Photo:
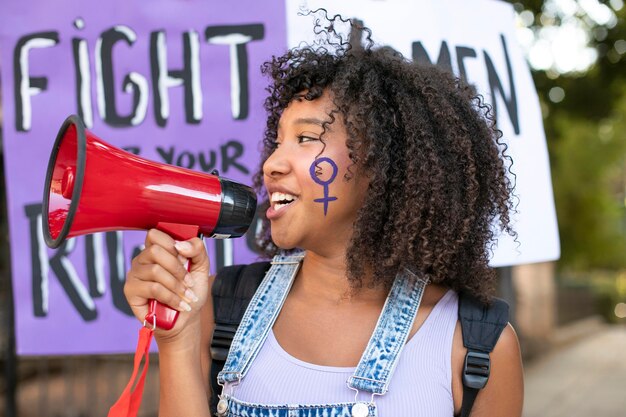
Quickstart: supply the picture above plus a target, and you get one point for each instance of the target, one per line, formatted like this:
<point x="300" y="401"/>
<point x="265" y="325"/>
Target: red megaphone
<point x="92" y="187"/>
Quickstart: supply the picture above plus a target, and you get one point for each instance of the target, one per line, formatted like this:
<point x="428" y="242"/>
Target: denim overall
<point x="372" y="374"/>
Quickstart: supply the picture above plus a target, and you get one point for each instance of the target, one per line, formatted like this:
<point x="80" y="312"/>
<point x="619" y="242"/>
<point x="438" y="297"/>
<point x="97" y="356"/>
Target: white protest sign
<point x="476" y="40"/>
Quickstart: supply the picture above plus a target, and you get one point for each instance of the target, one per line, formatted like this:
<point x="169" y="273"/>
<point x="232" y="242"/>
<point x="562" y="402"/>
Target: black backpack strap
<point x="481" y="325"/>
<point x="232" y="291"/>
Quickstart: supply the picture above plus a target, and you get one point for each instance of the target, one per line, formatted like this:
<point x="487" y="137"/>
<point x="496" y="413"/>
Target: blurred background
<point x="570" y="315"/>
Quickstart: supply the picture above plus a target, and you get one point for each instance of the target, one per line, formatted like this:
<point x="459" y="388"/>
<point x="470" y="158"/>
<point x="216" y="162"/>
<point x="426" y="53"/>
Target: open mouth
<point x="280" y="200"/>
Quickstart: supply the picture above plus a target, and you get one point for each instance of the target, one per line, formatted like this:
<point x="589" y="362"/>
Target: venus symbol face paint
<point x="313" y="171"/>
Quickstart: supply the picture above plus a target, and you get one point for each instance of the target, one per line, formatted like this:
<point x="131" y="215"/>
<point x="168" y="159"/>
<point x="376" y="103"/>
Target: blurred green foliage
<point x="586" y="135"/>
<point x="587" y="159"/>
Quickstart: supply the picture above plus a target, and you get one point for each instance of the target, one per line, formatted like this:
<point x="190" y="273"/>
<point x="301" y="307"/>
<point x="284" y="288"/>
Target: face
<point x="312" y="205"/>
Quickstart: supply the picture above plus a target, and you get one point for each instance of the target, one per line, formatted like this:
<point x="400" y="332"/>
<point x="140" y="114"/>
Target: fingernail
<point x="185" y="306"/>
<point x="182" y="259"/>
<point x="188" y="280"/>
<point x="182" y="246"/>
<point x="190" y="294"/>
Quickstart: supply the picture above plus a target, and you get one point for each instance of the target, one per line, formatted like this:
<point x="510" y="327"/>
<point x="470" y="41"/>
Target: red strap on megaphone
<point x="130" y="400"/>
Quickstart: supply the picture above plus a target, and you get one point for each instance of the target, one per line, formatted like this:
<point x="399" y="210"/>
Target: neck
<point x="326" y="278"/>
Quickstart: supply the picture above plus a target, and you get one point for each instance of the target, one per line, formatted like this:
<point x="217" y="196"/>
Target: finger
<point x="157" y="237"/>
<point x="183" y="261"/>
<point x="157" y="254"/>
<point x="156" y="273"/>
<point x="195" y="251"/>
<point x="139" y="292"/>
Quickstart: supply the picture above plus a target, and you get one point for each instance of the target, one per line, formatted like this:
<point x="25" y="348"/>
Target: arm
<point x="158" y="273"/>
<point x="504" y="393"/>
<point x="182" y="382"/>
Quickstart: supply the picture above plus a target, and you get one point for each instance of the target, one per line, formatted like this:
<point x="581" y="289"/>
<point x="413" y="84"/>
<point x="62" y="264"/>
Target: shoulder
<point x="508" y="344"/>
<point x="503" y="394"/>
<point x="506" y="356"/>
<point x="504" y="390"/>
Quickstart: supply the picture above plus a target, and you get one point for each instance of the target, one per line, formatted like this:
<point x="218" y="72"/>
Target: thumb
<point x="195" y="251"/>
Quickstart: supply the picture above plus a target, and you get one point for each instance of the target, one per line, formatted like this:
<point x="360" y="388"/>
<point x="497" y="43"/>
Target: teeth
<point x="280" y="200"/>
<point x="282" y="197"/>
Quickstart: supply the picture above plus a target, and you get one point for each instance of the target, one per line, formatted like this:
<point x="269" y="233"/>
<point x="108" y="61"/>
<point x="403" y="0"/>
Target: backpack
<point x="234" y="287"/>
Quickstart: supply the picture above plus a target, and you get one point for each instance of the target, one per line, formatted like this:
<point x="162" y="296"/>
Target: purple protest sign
<point x="175" y="82"/>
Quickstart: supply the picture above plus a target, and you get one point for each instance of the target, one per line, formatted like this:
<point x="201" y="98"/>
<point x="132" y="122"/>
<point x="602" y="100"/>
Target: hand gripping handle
<point x="160" y="315"/>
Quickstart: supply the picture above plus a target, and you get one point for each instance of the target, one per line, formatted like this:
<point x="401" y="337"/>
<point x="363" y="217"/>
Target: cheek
<point x="323" y="171"/>
<point x="327" y="175"/>
<point x="330" y="167"/>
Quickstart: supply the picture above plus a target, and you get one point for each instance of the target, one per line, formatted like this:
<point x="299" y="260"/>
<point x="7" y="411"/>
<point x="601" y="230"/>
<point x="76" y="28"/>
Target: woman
<point x="387" y="177"/>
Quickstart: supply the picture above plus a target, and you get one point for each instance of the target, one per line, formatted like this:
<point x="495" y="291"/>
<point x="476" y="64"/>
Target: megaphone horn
<point x="92" y="186"/>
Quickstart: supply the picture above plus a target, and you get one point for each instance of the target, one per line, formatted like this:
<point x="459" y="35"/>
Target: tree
<point x="586" y="128"/>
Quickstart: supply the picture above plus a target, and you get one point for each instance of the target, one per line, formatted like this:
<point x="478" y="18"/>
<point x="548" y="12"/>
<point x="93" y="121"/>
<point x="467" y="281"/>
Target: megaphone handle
<point x="160" y="315"/>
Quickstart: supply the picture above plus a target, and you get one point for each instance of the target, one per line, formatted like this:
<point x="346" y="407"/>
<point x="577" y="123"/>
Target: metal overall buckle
<point x="360" y="408"/>
<point x="222" y="404"/>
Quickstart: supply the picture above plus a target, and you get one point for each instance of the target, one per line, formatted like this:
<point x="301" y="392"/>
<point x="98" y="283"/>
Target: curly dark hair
<point x="436" y="162"/>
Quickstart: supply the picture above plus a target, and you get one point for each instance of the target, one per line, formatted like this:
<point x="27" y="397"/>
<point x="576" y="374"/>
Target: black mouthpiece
<point x="236" y="211"/>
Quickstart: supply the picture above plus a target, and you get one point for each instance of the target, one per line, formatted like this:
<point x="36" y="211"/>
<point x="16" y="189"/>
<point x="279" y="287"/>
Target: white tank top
<point x="421" y="385"/>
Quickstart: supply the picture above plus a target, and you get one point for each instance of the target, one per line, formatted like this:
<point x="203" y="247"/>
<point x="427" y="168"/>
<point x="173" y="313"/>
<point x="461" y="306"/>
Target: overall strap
<point x="379" y="360"/>
<point x="481" y="325"/>
<point x="259" y="317"/>
<point x="232" y="291"/>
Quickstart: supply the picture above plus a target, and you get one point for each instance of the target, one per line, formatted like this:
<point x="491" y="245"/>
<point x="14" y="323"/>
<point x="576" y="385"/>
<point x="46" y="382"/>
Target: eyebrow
<point x="312" y="121"/>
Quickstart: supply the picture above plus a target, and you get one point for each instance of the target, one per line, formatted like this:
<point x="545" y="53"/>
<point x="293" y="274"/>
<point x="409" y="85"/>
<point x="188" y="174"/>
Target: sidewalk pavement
<point x="584" y="379"/>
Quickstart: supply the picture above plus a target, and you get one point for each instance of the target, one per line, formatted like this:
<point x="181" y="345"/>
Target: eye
<point x="307" y="138"/>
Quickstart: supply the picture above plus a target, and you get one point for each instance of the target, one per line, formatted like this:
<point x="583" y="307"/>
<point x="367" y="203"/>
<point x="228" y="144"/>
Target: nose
<point x="277" y="164"/>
